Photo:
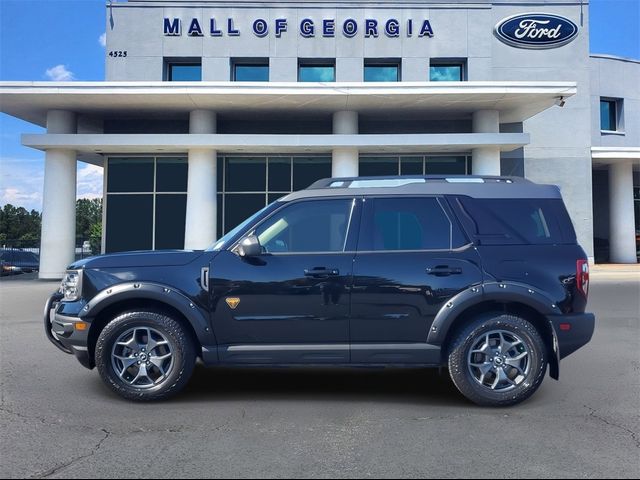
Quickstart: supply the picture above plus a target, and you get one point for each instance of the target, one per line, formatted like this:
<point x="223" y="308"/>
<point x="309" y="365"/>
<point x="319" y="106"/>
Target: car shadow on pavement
<point x="421" y="386"/>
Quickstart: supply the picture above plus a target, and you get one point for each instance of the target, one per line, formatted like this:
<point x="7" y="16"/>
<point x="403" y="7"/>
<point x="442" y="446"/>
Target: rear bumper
<point x="60" y="331"/>
<point x="572" y="331"/>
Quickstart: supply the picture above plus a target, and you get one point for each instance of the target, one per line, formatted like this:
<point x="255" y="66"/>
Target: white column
<point x="200" y="222"/>
<point x="58" y="234"/>
<point x="344" y="162"/>
<point x="622" y="241"/>
<point x="486" y="160"/>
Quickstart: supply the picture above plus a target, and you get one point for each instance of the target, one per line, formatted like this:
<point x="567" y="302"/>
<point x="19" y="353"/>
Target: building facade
<point x="211" y="109"/>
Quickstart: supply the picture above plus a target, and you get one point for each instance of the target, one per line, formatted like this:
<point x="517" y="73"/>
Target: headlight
<point x="71" y="285"/>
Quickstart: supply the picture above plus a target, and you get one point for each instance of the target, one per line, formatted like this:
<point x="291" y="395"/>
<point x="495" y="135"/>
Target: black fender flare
<point x="501" y="292"/>
<point x="152" y="291"/>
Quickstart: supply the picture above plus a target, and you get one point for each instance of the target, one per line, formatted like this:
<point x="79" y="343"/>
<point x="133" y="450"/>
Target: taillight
<point x="582" y="277"/>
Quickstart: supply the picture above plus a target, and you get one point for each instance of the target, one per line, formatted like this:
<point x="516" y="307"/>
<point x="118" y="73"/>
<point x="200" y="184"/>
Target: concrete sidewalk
<point x="615" y="271"/>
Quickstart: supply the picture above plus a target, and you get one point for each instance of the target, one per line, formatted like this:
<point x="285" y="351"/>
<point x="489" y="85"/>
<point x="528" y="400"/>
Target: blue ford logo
<point x="536" y="30"/>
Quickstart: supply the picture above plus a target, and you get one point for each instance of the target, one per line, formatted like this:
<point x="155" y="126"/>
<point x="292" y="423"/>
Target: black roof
<point x="470" y="185"/>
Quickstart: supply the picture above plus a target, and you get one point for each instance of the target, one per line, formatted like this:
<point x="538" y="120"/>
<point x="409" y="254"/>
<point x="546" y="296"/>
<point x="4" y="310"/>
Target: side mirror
<point x="249" y="247"/>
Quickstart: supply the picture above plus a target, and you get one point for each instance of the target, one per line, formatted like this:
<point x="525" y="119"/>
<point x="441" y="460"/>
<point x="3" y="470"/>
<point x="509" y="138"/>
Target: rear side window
<point x="405" y="224"/>
<point x="518" y="221"/>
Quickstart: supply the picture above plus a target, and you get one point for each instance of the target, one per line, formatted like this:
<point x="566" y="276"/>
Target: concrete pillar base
<point x="486" y="160"/>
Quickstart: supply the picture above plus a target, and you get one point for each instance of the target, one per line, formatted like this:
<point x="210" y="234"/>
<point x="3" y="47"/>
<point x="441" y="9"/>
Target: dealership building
<point x="211" y="109"/>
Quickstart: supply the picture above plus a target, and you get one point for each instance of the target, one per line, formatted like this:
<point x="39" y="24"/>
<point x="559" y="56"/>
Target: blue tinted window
<point x="405" y="224"/>
<point x="445" y="73"/>
<point x="381" y="73"/>
<point x="185" y="72"/>
<point x="317" y="73"/>
<point x="251" y="73"/>
<point x="608" y="115"/>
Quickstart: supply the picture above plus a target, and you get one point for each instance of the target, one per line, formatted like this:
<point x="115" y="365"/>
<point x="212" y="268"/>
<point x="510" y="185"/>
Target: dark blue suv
<point x="482" y="275"/>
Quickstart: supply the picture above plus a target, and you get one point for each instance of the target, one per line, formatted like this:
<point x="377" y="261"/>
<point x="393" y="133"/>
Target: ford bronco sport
<point x="482" y="275"/>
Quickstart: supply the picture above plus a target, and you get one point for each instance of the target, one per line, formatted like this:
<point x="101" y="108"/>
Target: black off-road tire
<point x="472" y="333"/>
<point x="182" y="347"/>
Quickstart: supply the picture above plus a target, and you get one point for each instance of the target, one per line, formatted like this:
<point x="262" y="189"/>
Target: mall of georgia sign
<point x="536" y="30"/>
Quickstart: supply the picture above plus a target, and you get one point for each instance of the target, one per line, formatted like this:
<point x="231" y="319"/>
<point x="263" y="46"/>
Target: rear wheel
<point x="498" y="360"/>
<point x="145" y="356"/>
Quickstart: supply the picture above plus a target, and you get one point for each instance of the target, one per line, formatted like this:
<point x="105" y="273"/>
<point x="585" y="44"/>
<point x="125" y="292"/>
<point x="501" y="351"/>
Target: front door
<point x="290" y="304"/>
<point x="406" y="268"/>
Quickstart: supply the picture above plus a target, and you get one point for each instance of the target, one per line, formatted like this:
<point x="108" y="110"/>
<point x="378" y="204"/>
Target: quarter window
<point x="311" y="226"/>
<point x="405" y="224"/>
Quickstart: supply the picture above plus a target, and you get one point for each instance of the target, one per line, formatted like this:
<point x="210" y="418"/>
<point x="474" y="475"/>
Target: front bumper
<point x="572" y="331"/>
<point x="60" y="330"/>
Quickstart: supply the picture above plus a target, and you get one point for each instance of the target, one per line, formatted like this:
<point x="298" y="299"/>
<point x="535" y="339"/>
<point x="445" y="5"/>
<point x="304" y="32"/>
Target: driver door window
<point x="310" y="226"/>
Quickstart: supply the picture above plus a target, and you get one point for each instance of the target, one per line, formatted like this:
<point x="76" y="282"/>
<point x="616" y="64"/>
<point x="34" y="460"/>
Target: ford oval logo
<point x="536" y="30"/>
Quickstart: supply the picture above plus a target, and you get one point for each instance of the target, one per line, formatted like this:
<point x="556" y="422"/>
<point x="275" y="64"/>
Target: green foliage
<point x="21" y="228"/>
<point x="88" y="214"/>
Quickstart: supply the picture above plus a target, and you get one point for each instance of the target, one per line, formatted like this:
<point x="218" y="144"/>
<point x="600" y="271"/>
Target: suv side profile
<point x="482" y="275"/>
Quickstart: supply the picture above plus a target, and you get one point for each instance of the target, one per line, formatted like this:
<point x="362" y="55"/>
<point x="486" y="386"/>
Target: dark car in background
<point x="481" y="275"/>
<point x="17" y="261"/>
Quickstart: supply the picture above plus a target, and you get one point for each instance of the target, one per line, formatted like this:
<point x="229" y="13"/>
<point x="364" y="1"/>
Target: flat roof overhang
<point x="604" y="156"/>
<point x="516" y="101"/>
<point x="89" y="144"/>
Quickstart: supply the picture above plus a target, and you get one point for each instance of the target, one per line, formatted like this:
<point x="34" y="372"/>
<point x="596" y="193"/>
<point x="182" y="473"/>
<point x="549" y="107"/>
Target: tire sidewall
<point x="465" y="381"/>
<point x="182" y="350"/>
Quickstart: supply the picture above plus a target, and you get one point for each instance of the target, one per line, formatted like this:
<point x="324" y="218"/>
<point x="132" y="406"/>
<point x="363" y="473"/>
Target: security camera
<point x="560" y="101"/>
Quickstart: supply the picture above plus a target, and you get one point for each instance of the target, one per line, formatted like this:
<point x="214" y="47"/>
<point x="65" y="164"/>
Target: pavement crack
<point x="634" y="435"/>
<point x="58" y="468"/>
<point x="27" y="417"/>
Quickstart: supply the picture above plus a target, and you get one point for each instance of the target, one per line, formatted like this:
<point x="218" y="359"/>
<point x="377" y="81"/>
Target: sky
<point x="63" y="40"/>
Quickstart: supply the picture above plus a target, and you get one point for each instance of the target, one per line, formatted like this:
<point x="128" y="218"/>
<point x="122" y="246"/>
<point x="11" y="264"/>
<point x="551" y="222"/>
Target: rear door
<point x="412" y="258"/>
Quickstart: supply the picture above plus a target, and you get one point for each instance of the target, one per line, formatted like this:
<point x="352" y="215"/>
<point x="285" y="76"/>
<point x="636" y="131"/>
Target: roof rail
<point x="401" y="180"/>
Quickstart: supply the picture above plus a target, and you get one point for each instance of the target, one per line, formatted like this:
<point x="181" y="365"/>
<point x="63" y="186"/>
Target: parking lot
<point x="58" y="420"/>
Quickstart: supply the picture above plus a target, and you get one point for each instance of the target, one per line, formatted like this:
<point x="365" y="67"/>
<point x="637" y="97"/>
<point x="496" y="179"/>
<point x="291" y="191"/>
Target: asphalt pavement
<point x="58" y="420"/>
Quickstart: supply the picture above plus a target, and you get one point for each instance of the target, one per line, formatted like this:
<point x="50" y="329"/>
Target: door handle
<point x="443" y="270"/>
<point x="321" y="272"/>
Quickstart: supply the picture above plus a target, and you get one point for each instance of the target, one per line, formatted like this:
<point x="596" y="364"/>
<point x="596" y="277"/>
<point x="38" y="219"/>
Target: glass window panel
<point x="445" y="73"/>
<point x="170" y="217"/>
<point x="185" y="72"/>
<point x="220" y="173"/>
<point x="280" y="174"/>
<point x="411" y="166"/>
<point x="311" y="226"/>
<point x="240" y="206"/>
<point x="378" y="166"/>
<point x="246" y="174"/>
<point x="317" y="73"/>
<point x="219" y="225"/>
<point x="381" y="73"/>
<point x="608" y="115"/>
<point x="307" y="170"/>
<point x="446" y="165"/>
<point x="130" y="222"/>
<point x="272" y="197"/>
<point x="130" y="175"/>
<point x="171" y="175"/>
<point x="406" y="224"/>
<point x="251" y="73"/>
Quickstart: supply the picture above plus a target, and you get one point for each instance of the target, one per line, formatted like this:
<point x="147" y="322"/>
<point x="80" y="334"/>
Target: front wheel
<point x="144" y="355"/>
<point x="498" y="360"/>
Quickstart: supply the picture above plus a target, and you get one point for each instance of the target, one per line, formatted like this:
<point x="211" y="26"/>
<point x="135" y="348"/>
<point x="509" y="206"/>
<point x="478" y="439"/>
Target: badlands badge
<point x="233" y="302"/>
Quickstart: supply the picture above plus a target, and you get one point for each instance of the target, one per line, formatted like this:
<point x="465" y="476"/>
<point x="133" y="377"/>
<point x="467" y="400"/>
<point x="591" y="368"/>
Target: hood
<point x="152" y="258"/>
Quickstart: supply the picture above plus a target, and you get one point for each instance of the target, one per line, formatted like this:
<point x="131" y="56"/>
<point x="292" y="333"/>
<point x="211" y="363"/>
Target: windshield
<point x="222" y="242"/>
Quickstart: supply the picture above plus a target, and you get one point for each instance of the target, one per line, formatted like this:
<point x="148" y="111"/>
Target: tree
<point x="88" y="216"/>
<point x="19" y="227"/>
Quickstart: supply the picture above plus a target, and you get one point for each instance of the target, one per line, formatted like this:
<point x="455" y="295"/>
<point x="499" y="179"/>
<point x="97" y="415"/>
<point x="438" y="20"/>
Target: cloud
<point x="59" y="73"/>
<point x="102" y="40"/>
<point x="89" y="181"/>
<point x="16" y="197"/>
